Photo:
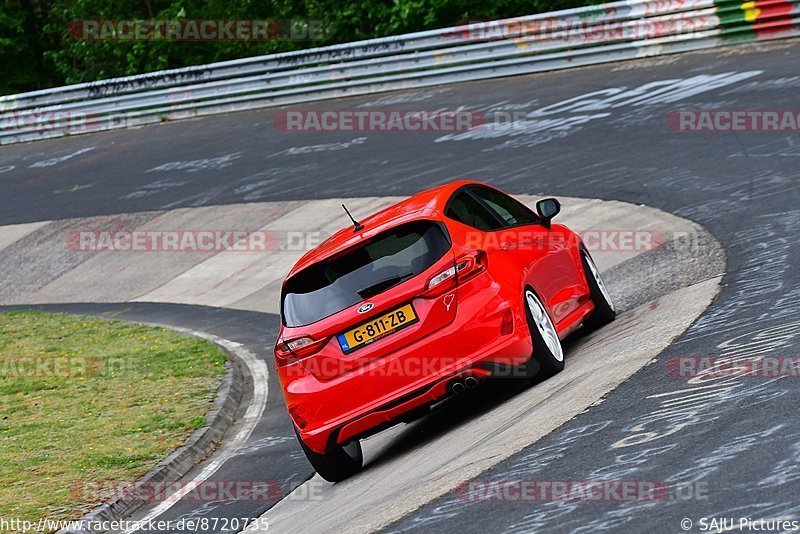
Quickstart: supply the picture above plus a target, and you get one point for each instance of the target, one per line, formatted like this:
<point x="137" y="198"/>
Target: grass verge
<point x="87" y="405"/>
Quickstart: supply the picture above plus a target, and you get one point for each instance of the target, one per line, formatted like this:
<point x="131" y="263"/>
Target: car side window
<point x="465" y="209"/>
<point x="511" y="211"/>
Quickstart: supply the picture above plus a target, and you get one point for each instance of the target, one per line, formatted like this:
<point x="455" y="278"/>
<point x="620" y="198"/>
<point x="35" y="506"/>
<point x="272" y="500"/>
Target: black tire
<point x="546" y="360"/>
<point x="604" y="311"/>
<point x="341" y="462"/>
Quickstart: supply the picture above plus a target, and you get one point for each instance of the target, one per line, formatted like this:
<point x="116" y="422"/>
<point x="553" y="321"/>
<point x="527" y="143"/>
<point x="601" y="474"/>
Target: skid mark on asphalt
<point x="196" y="165"/>
<point x="569" y="116"/>
<point x="51" y="162"/>
<point x="766" y="249"/>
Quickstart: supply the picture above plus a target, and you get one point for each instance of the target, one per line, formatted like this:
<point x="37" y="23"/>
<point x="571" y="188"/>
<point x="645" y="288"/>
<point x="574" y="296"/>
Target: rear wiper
<point x="383" y="285"/>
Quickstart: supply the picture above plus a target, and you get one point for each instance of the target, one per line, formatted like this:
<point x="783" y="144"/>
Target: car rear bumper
<point x="398" y="410"/>
<point x="383" y="391"/>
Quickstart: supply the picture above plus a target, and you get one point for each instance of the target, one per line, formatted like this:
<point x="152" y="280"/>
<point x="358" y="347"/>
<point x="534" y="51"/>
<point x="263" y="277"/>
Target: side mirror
<point x="547" y="209"/>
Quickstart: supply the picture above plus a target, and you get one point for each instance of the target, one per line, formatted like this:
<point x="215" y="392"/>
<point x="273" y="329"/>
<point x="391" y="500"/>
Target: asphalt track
<point x="737" y="437"/>
<point x="42" y="269"/>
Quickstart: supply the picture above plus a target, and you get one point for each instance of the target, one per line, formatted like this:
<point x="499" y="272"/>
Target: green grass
<point x="84" y="401"/>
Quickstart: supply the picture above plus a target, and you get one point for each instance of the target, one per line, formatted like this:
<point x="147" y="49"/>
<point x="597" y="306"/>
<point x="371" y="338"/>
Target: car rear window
<point x="385" y="261"/>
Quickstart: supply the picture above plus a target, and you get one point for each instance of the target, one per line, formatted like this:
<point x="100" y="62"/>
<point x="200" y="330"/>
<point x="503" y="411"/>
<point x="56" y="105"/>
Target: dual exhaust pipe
<point x="460" y="385"/>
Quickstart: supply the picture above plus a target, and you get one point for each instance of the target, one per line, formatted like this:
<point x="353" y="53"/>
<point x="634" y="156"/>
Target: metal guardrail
<point x="615" y="31"/>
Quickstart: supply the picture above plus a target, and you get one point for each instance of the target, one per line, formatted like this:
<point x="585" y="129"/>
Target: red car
<point x="423" y="300"/>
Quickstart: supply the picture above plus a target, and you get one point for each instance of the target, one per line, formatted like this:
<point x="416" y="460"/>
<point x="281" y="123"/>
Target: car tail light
<point x="294" y="350"/>
<point x="471" y="264"/>
<point x="441" y="283"/>
<point x="465" y="267"/>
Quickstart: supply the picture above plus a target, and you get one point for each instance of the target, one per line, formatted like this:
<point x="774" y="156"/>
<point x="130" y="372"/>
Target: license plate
<point x="377" y="328"/>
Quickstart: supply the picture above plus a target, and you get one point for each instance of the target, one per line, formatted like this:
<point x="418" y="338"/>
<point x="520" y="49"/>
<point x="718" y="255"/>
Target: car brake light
<point x="465" y="267"/>
<point x="471" y="264"/>
<point x="289" y="351"/>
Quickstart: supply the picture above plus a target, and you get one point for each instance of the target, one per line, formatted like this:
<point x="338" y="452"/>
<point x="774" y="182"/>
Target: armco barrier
<point x="548" y="41"/>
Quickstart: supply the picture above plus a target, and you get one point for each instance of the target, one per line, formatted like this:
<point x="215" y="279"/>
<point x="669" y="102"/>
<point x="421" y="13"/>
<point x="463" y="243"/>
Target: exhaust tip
<point x="471" y="382"/>
<point x="458" y="388"/>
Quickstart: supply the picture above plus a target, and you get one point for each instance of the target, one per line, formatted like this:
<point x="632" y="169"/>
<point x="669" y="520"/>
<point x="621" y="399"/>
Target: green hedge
<point x="38" y="52"/>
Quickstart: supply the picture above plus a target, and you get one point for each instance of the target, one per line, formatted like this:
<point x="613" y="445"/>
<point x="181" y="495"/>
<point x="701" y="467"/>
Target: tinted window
<point x="508" y="209"/>
<point x="385" y="261"/>
<point x="465" y="209"/>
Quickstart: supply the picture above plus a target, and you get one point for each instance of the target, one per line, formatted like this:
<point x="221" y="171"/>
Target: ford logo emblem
<point x="364" y="308"/>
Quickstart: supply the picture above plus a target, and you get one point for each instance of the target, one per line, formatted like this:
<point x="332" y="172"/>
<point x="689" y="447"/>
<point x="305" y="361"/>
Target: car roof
<point x="428" y="204"/>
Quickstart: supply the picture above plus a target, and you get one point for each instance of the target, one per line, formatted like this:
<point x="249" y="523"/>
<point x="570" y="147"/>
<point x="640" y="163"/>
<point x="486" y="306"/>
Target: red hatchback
<point x="422" y="300"/>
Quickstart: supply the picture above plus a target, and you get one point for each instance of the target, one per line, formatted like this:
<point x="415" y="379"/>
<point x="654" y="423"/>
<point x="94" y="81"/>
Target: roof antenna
<point x="357" y="226"/>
